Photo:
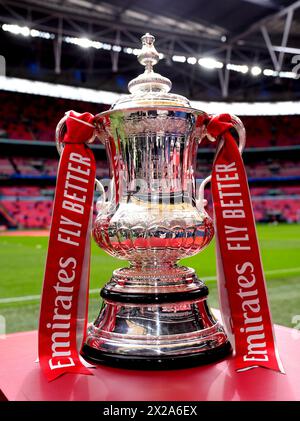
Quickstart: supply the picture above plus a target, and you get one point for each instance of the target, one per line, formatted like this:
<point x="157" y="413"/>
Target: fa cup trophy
<point x="154" y="312"/>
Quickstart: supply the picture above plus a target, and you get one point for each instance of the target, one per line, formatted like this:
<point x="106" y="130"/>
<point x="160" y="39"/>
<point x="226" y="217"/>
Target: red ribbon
<point x="63" y="315"/>
<point x="241" y="282"/>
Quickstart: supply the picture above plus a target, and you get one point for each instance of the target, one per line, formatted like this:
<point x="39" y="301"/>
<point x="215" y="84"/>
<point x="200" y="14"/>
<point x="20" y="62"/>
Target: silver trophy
<point x="154" y="312"/>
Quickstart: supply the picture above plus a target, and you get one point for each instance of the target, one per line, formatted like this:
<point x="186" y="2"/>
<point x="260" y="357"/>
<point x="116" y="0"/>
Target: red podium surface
<point x="21" y="378"/>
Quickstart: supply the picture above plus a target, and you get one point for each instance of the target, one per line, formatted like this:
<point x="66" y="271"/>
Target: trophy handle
<point x="106" y="198"/>
<point x="60" y="131"/>
<point x="100" y="188"/>
<point x="201" y="202"/>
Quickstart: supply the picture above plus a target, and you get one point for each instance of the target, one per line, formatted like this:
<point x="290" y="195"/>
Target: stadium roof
<point x="235" y="49"/>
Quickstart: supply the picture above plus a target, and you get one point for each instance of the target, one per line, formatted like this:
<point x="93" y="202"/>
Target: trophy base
<point x="137" y="362"/>
<point x="165" y="327"/>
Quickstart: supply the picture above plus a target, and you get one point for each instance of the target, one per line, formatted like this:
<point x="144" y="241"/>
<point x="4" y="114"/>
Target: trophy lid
<point x="149" y="89"/>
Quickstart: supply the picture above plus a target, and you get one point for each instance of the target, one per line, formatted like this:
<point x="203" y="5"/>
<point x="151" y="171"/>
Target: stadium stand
<point x="21" y="118"/>
<point x="29" y="213"/>
<point x="28" y="177"/>
<point x="30" y="117"/>
<point x="272" y="131"/>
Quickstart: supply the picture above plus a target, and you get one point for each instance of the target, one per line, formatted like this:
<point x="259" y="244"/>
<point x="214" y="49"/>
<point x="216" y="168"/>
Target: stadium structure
<point x="239" y="57"/>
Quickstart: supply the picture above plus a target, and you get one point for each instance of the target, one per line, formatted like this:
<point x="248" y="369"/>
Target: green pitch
<point x="22" y="265"/>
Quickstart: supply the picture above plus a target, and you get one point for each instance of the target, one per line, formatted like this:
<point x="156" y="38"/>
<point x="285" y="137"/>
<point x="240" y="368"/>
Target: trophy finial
<point x="149" y="81"/>
<point x="148" y="56"/>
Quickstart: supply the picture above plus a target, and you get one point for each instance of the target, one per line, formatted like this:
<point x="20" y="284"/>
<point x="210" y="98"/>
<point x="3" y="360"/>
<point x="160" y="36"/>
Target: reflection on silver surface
<point x="183" y="329"/>
<point x="155" y="218"/>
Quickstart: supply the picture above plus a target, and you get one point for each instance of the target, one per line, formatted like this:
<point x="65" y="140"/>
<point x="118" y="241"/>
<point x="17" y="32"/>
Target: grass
<point x="22" y="265"/>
